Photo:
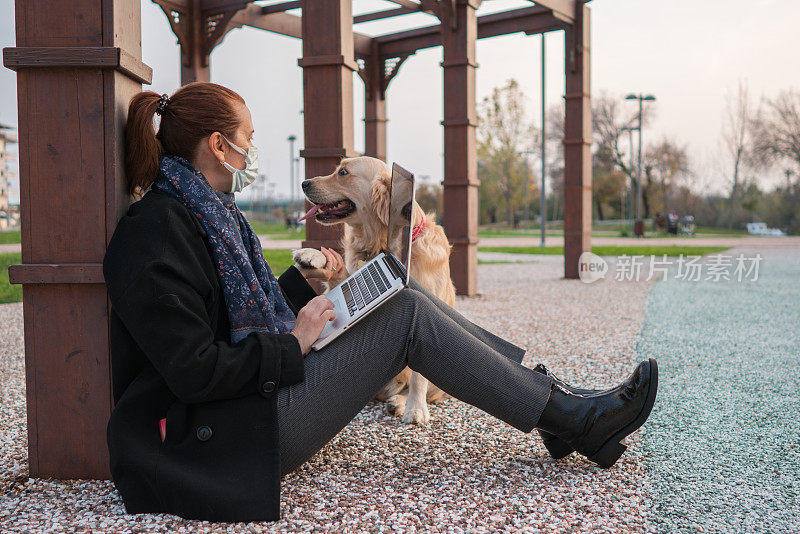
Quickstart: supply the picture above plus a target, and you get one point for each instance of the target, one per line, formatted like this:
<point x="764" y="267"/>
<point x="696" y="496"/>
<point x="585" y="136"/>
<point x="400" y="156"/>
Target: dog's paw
<point x="417" y="416"/>
<point x="309" y="258"/>
<point x="396" y="405"/>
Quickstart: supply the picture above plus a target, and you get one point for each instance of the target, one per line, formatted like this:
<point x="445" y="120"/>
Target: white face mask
<point x="243" y="178"/>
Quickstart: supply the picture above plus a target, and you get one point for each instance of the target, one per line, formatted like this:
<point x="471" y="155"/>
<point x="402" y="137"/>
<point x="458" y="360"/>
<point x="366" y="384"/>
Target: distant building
<point x="7" y="137"/>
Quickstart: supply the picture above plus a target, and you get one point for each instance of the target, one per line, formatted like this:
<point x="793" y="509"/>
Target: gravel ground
<point x="464" y="472"/>
<point x="722" y="446"/>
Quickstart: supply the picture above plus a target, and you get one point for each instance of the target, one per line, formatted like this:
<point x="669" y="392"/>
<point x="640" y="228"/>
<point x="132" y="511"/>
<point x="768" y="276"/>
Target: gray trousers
<point x="415" y="329"/>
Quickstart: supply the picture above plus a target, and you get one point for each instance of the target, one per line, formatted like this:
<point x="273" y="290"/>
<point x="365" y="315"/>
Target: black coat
<point x="171" y="357"/>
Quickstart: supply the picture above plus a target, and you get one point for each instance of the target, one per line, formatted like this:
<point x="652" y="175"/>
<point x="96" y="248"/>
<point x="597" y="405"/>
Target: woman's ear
<point x="216" y="146"/>
<point x="380" y="197"/>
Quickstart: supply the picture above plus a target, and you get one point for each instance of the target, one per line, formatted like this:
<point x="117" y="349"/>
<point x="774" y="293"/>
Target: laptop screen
<point x="401" y="213"/>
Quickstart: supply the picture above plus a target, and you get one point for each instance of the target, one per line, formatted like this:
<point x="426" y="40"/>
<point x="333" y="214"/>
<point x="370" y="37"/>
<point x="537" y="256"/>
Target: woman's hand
<point x="332" y="271"/>
<point x="311" y="320"/>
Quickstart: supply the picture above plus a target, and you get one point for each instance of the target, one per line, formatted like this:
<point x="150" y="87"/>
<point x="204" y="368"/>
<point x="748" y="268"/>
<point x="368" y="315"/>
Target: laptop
<point x="383" y="276"/>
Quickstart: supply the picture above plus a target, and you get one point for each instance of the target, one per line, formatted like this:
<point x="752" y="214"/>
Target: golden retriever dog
<point x="356" y="194"/>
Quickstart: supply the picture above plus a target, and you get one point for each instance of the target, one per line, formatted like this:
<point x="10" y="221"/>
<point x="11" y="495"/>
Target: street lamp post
<point x="630" y="131"/>
<point x="291" y="140"/>
<point x="542" y="197"/>
<point x="639" y="223"/>
<point x="525" y="217"/>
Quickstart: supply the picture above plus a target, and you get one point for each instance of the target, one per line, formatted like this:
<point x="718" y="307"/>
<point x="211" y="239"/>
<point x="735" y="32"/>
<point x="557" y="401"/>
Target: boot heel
<point x="608" y="454"/>
<point x="556" y="446"/>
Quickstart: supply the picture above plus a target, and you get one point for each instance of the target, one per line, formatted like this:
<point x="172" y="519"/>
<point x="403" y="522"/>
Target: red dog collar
<point x="418" y="230"/>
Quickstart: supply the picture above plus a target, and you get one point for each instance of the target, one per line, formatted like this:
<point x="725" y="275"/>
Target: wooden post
<point x="78" y="64"/>
<point x="199" y="26"/>
<point x="374" y="75"/>
<point x="459" y="28"/>
<point x="195" y="59"/>
<point x="577" y="143"/>
<point x="328" y="65"/>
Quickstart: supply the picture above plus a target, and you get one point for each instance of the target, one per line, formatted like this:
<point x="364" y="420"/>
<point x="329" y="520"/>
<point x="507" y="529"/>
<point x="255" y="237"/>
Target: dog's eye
<point x="342" y="171"/>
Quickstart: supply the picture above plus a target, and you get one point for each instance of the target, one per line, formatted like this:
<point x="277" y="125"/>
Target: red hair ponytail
<point x="193" y="112"/>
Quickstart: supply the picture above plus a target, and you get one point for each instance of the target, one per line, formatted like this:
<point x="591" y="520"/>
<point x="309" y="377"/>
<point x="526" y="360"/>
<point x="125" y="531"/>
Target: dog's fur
<point x="365" y="182"/>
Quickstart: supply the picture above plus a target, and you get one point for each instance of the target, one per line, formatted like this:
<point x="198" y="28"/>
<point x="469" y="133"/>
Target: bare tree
<point x="665" y="162"/>
<point x="608" y="122"/>
<point x="738" y="142"/>
<point x="777" y="130"/>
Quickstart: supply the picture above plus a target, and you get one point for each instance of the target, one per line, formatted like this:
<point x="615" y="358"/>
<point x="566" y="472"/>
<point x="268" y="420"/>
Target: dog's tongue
<point x="311" y="212"/>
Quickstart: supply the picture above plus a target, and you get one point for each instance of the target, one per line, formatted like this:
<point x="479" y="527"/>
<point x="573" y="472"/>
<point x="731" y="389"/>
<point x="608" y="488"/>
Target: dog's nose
<point x="306" y="184"/>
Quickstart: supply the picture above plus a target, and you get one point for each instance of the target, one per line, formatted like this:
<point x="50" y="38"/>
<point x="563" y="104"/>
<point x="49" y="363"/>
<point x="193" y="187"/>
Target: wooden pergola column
<point x="577" y="143"/>
<point x="199" y="26"/>
<point x="78" y="64"/>
<point x="459" y="29"/>
<point x="373" y="75"/>
<point x="328" y="64"/>
<point x="377" y="71"/>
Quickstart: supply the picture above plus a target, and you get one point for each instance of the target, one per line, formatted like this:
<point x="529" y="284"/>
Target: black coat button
<point x="204" y="433"/>
<point x="268" y="386"/>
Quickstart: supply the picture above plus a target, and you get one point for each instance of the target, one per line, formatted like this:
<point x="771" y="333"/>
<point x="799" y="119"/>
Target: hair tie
<point x="162" y="104"/>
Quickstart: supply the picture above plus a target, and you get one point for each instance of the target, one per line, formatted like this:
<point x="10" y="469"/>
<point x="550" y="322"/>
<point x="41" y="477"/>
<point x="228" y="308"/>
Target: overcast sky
<point x="687" y="53"/>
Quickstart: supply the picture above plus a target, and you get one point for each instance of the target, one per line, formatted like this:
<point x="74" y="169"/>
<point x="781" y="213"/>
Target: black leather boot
<point x="594" y="425"/>
<point x="558" y="448"/>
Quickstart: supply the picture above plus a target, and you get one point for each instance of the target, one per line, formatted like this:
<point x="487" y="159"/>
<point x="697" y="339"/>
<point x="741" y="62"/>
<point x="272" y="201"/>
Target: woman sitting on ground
<point x="217" y="392"/>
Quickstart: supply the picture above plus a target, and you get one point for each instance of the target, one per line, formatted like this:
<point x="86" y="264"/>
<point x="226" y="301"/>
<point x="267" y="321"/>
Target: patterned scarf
<point x="252" y="294"/>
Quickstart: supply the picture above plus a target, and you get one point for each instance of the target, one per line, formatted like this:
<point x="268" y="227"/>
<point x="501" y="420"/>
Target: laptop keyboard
<point x="364" y="287"/>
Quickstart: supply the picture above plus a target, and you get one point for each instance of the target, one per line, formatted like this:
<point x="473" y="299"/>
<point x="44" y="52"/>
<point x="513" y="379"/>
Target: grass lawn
<point x="510" y="232"/>
<point x="9" y="292"/>
<point x="278" y="230"/>
<point x="279" y="260"/>
<point x="719" y="231"/>
<point x="601" y="231"/>
<point x="10" y="237"/>
<point x="673" y="250"/>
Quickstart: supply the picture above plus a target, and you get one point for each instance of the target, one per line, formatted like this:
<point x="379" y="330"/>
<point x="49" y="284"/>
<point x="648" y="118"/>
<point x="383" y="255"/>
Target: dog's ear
<point x="380" y="197"/>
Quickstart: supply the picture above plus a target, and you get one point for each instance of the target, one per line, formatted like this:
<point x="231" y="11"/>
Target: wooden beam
<point x="280" y="23"/>
<point x="278" y="8"/>
<point x="562" y="9"/>
<point x="56" y="273"/>
<point x="528" y="19"/>
<point x="289" y="25"/>
<point x="377" y="15"/>
<point x="410" y="4"/>
<point x="104" y="57"/>
<point x="174" y="5"/>
<point x="220" y="6"/>
<point x="396" y="44"/>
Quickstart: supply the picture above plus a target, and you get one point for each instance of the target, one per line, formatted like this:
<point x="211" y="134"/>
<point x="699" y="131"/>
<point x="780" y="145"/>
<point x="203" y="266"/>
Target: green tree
<point x="608" y="181"/>
<point x="503" y="135"/>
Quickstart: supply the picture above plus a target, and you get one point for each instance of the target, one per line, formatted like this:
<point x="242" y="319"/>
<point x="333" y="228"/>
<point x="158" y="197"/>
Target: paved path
<point x="723" y="443"/>
<point x="463" y="472"/>
<point x="720" y="453"/>
<point x="721" y="241"/>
